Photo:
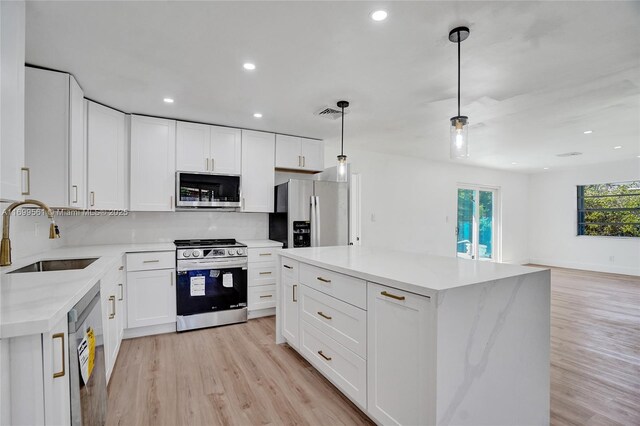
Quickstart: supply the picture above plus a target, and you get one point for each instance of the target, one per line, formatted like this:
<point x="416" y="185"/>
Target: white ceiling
<point x="535" y="75"/>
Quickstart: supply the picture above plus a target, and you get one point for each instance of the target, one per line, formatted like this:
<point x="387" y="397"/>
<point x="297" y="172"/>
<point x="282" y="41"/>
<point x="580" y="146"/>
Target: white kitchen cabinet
<point x="39" y="388"/>
<point x="398" y="328"/>
<point x="151" y="298"/>
<point x="261" y="282"/>
<point x="258" y="175"/>
<point x="13" y="180"/>
<point x="204" y="148"/>
<point x="295" y="153"/>
<point x="54" y="138"/>
<point x="113" y="315"/>
<point x="289" y="301"/>
<point x="152" y="164"/>
<point x="106" y="145"/>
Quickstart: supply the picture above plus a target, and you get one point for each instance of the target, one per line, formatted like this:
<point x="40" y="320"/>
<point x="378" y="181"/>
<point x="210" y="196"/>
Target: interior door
<point x="332" y="214"/>
<point x="476" y="224"/>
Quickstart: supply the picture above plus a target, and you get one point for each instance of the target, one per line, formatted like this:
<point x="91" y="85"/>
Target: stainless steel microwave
<point x="207" y="190"/>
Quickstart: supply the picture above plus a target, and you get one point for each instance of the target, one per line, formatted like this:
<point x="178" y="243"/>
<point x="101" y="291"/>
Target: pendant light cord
<point x="458" y="73"/>
<point x="342" y="135"/>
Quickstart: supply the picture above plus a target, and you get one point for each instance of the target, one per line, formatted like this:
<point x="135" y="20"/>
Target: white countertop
<point x="416" y="273"/>
<point x="33" y="302"/>
<point x="260" y="243"/>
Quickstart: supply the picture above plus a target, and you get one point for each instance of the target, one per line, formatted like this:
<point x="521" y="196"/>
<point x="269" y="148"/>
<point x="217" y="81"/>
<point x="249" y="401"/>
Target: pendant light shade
<point x="459" y="143"/>
<point x="342" y="159"/>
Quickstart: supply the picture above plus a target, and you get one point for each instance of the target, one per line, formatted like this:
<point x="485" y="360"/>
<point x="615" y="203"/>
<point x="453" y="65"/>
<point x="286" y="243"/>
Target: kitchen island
<point x="417" y="339"/>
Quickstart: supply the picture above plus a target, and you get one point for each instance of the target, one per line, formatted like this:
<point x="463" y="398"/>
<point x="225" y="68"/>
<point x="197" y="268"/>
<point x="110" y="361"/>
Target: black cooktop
<point x="206" y="243"/>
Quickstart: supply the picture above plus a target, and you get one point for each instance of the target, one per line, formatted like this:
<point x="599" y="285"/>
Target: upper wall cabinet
<point x="204" y="148"/>
<point x="302" y="154"/>
<point x="106" y="145"/>
<point x="55" y="147"/>
<point x="13" y="179"/>
<point x="258" y="177"/>
<point x="152" y="173"/>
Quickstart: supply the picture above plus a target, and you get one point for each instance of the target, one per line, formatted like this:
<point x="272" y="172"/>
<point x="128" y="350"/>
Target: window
<point x="609" y="209"/>
<point x="476" y="230"/>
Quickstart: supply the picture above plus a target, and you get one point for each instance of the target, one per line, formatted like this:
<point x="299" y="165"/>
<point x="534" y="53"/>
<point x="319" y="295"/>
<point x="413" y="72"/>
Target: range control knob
<point x="230" y="252"/>
<point x="186" y="253"/>
<point x="240" y="251"/>
<point x="195" y="253"/>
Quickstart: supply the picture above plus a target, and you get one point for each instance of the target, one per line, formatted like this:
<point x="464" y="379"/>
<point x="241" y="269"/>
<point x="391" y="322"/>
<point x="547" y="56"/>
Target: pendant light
<point x="459" y="123"/>
<point x="342" y="159"/>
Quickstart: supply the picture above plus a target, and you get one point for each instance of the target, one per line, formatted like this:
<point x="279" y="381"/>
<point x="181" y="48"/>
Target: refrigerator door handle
<point x="312" y="213"/>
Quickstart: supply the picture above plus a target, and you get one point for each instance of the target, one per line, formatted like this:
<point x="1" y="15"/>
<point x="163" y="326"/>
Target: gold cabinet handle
<point x="172" y="278"/>
<point x="265" y="273"/>
<point x="170" y="201"/>
<point x="151" y="261"/>
<point x="213" y="168"/>
<point x="28" y="175"/>
<point x="75" y="193"/>
<point x="265" y="254"/>
<point x="288" y="267"/>
<point x="121" y="292"/>
<point x="304" y="161"/>
<point x="266" y="296"/>
<point x="93" y="198"/>
<point x="207" y="160"/>
<point x="60" y="336"/>
<point x="328" y="358"/>
<point x="299" y="161"/>
<point x="293" y="291"/>
<point x="112" y="299"/>
<point x="324" y="280"/>
<point x="393" y="296"/>
<point x="323" y="315"/>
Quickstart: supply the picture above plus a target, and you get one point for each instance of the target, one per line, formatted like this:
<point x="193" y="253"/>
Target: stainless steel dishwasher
<point x="88" y="387"/>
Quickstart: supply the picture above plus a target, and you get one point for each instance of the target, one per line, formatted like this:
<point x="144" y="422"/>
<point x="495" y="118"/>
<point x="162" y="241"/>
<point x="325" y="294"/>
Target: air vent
<point x="569" y="154"/>
<point x="331" y="113"/>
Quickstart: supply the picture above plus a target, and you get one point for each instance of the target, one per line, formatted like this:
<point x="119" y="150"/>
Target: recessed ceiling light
<point x="257" y="115"/>
<point x="379" y="15"/>
<point x="545" y="168"/>
<point x="514" y="163"/>
<point x="249" y="66"/>
<point x="617" y="147"/>
<point x="588" y="132"/>
<point x="168" y="100"/>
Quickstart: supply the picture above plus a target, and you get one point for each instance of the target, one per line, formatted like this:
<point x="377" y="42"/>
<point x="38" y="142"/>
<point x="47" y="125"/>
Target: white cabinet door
<point x="12" y="47"/>
<point x="151" y="298"/>
<point x="312" y="154"/>
<point x="55" y="351"/>
<point x="226" y="150"/>
<point x="77" y="147"/>
<point x="258" y="175"/>
<point x="153" y="147"/>
<point x="290" y="290"/>
<point x="193" y="147"/>
<point x="399" y="327"/>
<point x="106" y="153"/>
<point x="109" y="304"/>
<point x="288" y="153"/>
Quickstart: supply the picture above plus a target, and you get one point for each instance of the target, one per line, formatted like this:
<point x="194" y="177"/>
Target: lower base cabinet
<point x="113" y="314"/>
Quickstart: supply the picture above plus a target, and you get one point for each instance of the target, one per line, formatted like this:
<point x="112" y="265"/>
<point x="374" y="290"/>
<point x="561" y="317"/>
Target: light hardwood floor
<point x="236" y="375"/>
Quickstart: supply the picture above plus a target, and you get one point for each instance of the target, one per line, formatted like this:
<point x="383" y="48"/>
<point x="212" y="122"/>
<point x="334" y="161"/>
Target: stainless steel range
<point x="211" y="283"/>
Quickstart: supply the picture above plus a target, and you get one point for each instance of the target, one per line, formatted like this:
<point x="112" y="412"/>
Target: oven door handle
<point x="190" y="265"/>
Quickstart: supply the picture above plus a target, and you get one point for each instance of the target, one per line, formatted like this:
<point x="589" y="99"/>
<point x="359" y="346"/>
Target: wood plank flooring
<point x="236" y="375"/>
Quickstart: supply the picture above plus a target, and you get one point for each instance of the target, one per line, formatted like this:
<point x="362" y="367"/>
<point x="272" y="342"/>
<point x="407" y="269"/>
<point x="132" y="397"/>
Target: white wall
<point x="150" y="227"/>
<point x="411" y="203"/>
<point x="553" y="240"/>
<point x="24" y="241"/>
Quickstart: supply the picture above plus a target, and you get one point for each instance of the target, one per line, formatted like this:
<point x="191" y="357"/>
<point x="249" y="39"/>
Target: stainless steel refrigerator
<point x="310" y="213"/>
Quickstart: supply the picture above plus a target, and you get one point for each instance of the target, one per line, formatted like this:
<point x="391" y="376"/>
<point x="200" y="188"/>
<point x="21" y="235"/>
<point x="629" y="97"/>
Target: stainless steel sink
<point x="56" y="265"/>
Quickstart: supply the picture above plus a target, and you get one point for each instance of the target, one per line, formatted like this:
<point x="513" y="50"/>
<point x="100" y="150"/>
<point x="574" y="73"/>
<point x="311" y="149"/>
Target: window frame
<point x="581" y="210"/>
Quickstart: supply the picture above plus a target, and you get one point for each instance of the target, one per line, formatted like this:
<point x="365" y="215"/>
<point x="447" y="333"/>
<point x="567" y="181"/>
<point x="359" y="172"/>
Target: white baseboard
<point x="132" y="333"/>
<point x="261" y="313"/>
<point x="612" y="269"/>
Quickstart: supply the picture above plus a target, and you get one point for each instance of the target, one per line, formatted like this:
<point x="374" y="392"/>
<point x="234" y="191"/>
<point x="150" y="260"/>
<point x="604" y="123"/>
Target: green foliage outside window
<point x="609" y="209"/>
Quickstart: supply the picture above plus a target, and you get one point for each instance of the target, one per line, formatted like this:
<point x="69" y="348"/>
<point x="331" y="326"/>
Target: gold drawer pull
<point x="328" y="358"/>
<point x="151" y="261"/>
<point x="324" y="280"/>
<point x="265" y="273"/>
<point x="112" y="299"/>
<point x="288" y="267"/>
<point x="323" y="315"/>
<point x="62" y="371"/>
<point x="293" y="291"/>
<point x="265" y="254"/>
<point x="266" y="296"/>
<point x="393" y="296"/>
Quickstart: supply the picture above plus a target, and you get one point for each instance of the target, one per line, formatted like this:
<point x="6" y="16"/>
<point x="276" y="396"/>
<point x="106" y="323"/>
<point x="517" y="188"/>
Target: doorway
<point x="477" y="227"/>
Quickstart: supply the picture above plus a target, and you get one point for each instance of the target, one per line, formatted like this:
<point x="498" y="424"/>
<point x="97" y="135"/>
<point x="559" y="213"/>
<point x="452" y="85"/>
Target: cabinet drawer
<point x="262" y="297"/>
<point x="261" y="274"/>
<point x="340" y="286"/>
<point x="341" y="321"/>
<point x="341" y="366"/>
<point x="289" y="269"/>
<point x="267" y="254"/>
<point x="151" y="260"/>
